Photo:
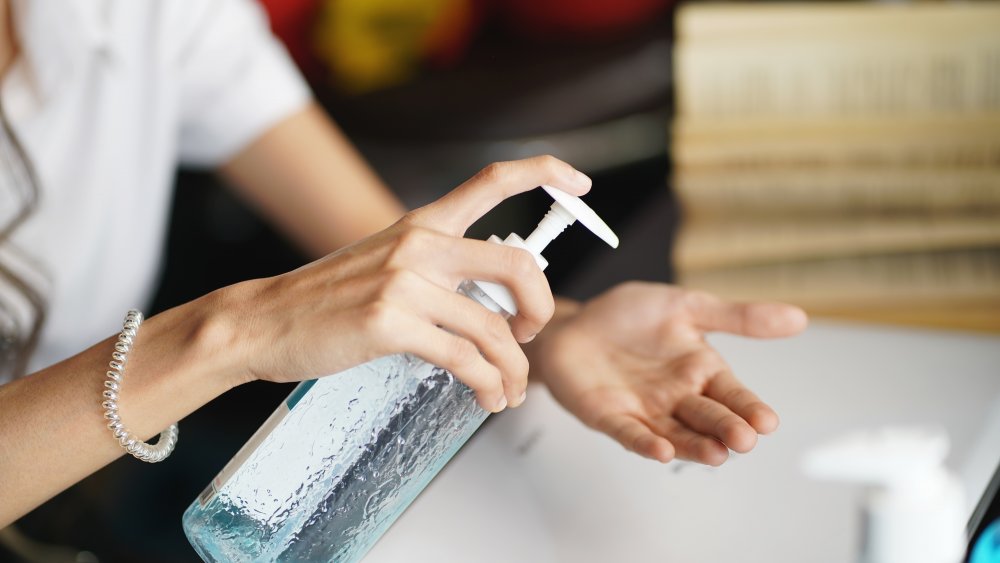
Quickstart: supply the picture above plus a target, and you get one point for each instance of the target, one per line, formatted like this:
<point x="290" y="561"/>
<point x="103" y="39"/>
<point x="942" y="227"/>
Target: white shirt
<point x="106" y="99"/>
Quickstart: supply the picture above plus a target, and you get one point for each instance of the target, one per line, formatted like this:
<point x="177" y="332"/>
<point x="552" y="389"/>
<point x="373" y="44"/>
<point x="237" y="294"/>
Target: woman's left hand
<point x="634" y="364"/>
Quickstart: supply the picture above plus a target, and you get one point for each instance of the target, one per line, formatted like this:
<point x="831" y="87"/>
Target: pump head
<point x="566" y="210"/>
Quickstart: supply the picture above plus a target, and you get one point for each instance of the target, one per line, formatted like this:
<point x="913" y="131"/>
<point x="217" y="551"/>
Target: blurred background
<point x="844" y="157"/>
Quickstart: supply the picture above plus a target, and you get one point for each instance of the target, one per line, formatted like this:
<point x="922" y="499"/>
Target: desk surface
<point x="536" y="486"/>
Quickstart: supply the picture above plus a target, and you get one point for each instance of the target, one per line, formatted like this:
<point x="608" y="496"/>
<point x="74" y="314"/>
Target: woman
<point x="101" y="100"/>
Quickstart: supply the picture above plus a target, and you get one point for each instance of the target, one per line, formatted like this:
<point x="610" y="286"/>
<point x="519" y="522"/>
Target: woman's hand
<point x="634" y="364"/>
<point x="396" y="292"/>
<point x="393" y="292"/>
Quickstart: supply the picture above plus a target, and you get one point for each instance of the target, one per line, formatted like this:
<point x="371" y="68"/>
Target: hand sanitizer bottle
<point x="914" y="509"/>
<point x="344" y="455"/>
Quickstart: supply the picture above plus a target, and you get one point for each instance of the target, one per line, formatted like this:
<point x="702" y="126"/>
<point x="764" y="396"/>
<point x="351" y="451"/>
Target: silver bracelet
<point x="139" y="449"/>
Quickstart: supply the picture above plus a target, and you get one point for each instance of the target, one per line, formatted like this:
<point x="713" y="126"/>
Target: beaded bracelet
<point x="151" y="453"/>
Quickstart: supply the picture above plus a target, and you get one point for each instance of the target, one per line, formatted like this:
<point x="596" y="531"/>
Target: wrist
<point x="203" y="340"/>
<point x="565" y="310"/>
<point x="216" y="338"/>
<point x="180" y="360"/>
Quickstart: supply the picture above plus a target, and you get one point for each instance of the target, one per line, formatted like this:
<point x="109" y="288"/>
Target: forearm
<point x="310" y="181"/>
<point x="52" y="429"/>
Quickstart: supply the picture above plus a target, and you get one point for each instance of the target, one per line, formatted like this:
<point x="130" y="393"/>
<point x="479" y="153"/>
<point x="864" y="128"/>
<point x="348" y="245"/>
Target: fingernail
<point x="520" y="400"/>
<point x="581" y="179"/>
<point x="529" y="339"/>
<point x="501" y="404"/>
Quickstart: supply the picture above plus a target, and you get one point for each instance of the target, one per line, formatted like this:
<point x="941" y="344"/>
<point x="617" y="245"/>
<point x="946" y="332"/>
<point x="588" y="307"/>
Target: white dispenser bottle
<point x="914" y="507"/>
<point x="344" y="455"/>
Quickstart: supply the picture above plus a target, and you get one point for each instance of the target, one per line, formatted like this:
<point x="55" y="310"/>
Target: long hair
<point x="22" y="302"/>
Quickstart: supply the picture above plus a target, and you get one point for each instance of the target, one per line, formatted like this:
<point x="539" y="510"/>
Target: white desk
<point x="536" y="486"/>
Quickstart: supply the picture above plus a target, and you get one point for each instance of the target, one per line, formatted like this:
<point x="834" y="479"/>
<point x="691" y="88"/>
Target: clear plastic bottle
<point x="344" y="455"/>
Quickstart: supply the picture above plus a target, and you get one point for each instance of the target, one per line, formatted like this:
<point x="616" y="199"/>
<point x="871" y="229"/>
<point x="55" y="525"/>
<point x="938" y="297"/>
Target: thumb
<point x="455" y="212"/>
<point x="758" y="320"/>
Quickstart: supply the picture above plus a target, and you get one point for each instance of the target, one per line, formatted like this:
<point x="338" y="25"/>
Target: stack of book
<point x="844" y="157"/>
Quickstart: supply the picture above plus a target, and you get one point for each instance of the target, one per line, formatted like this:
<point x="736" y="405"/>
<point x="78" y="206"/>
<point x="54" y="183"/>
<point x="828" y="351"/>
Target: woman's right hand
<point x="395" y="291"/>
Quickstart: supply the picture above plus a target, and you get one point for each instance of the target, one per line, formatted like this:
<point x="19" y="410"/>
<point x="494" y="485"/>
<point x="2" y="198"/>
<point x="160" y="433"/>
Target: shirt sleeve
<point x="236" y="80"/>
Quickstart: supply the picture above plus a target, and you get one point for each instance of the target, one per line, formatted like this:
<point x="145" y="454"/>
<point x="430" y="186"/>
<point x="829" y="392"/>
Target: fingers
<point x="447" y="261"/>
<point x="637" y="437"/>
<point x="462" y="259"/>
<point x="451" y="352"/>
<point x="711" y="418"/>
<point x="488" y="331"/>
<point x="696" y="447"/>
<point x="516" y="270"/>
<point x="481" y="351"/>
<point x="728" y="391"/>
<point x="758" y="320"/>
<point x="456" y="211"/>
<point x="672" y="441"/>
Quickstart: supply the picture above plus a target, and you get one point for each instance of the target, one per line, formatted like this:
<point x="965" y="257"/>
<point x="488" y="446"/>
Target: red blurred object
<point x="291" y="21"/>
<point x="581" y="19"/>
<point x="449" y="39"/>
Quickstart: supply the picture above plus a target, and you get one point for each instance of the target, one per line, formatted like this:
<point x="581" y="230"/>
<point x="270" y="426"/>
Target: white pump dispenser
<point x="566" y="210"/>
<point x="914" y="509"/>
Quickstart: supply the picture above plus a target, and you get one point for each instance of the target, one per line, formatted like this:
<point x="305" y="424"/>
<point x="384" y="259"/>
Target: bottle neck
<point x="555" y="222"/>
<point x="474" y="290"/>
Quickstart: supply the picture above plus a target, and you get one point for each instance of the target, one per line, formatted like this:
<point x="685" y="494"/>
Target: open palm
<point x="634" y="364"/>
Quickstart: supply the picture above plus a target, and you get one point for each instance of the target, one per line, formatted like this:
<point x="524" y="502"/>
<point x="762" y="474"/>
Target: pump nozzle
<point x="566" y="210"/>
<point x="577" y="210"/>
